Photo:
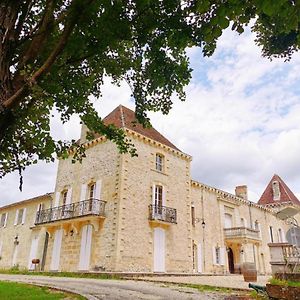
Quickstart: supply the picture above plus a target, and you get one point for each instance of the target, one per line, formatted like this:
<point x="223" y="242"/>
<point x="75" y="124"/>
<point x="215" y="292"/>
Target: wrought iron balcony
<point x="162" y="213"/>
<point x="90" y="207"/>
<point x="241" y="233"/>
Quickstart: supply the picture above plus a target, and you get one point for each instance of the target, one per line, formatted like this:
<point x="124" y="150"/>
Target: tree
<point x="55" y="53"/>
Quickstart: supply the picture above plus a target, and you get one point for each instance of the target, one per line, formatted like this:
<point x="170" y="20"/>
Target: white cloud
<point x="240" y="122"/>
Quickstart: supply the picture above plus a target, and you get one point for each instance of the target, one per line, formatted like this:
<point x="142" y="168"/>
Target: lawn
<point x="20" y="291"/>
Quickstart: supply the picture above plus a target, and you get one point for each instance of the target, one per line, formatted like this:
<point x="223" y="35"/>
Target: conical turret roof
<point x="277" y="192"/>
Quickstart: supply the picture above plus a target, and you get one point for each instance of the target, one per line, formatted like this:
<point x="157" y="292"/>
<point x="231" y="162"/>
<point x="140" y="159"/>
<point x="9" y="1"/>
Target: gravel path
<point x="95" y="289"/>
<point x="229" y="281"/>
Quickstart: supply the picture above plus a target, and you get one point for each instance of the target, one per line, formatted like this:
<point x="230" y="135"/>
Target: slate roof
<point x="123" y="117"/>
<point x="286" y="195"/>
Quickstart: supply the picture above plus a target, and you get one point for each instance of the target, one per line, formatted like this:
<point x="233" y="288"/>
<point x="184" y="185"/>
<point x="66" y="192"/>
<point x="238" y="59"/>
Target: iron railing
<point x="241" y="232"/>
<point x="69" y="211"/>
<point x="162" y="213"/>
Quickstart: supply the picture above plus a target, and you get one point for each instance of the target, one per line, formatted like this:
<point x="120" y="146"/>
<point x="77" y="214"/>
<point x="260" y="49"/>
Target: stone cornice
<point x="228" y="197"/>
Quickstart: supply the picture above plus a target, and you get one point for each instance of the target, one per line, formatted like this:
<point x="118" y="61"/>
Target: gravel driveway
<point x="116" y="289"/>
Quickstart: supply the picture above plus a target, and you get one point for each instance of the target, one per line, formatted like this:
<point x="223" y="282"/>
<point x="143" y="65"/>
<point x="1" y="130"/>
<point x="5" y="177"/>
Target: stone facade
<point x="114" y="212"/>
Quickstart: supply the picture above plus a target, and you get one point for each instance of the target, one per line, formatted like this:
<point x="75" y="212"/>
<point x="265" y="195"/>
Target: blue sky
<point x="240" y="122"/>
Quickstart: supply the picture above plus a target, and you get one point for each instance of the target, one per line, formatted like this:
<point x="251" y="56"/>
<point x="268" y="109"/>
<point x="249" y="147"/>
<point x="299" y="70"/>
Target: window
<point x="271" y="234"/>
<point x="20" y="216"/>
<point x="159" y="162"/>
<point x="193" y="216"/>
<point x="218" y="255"/>
<point x="227" y="220"/>
<point x="64" y="195"/>
<point x="3" y="220"/>
<point x="158" y="198"/>
<point x="92" y="188"/>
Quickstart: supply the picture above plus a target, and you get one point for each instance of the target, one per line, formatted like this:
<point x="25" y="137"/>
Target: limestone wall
<point x="16" y="251"/>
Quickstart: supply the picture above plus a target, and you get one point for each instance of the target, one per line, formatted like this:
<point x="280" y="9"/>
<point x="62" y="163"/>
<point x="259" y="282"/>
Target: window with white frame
<point x="20" y="216"/>
<point x="159" y="162"/>
<point x="3" y="220"/>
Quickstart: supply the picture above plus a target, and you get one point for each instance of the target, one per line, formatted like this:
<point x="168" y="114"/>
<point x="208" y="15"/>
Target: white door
<point x="199" y="254"/>
<point x="159" y="250"/>
<point x="228" y="221"/>
<point x="33" y="252"/>
<point x="85" y="248"/>
<point x="56" y="250"/>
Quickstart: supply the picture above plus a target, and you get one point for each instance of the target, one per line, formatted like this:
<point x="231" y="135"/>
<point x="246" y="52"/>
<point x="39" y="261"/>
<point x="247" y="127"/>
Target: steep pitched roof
<point x="285" y="195"/>
<point x="123" y="117"/>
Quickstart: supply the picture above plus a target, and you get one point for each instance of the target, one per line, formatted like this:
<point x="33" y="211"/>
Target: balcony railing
<point x="241" y="232"/>
<point x="74" y="210"/>
<point x="162" y="213"/>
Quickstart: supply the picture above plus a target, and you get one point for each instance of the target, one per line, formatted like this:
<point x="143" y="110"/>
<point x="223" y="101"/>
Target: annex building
<point x="120" y="213"/>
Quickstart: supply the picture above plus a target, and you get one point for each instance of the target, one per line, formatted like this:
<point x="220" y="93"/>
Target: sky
<point x="240" y="122"/>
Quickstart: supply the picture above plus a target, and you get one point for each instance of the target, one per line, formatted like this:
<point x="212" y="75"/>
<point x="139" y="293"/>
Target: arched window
<point x="159" y="162"/>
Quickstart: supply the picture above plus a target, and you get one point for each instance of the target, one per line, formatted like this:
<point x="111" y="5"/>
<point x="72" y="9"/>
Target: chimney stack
<point x="242" y="191"/>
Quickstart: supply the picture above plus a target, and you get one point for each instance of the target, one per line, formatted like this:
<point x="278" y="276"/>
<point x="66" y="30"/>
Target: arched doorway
<point x="230" y="260"/>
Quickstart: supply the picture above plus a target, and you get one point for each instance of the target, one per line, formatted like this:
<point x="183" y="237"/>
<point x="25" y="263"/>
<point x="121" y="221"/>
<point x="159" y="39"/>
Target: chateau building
<point x="114" y="212"/>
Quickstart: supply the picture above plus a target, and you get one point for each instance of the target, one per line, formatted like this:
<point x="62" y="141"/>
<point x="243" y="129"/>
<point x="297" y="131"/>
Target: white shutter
<point x="214" y="255"/>
<point x="259" y="228"/>
<point x="33" y="252"/>
<point x="24" y="215"/>
<point x="153" y="194"/>
<point x="56" y="250"/>
<point x="5" y="221"/>
<point x="245" y="221"/>
<point x="1" y="244"/>
<point x="16" y="217"/>
<point x="98" y="190"/>
<point x="56" y="201"/>
<point x="69" y="196"/>
<point x="222" y="256"/>
<point x="163" y="196"/>
<point x="83" y="192"/>
<point x="199" y="256"/>
<point x="37" y="210"/>
<point x="85" y="248"/>
<point x="159" y="250"/>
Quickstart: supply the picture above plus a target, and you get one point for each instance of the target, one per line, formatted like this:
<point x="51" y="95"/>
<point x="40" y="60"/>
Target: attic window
<point x="276" y="190"/>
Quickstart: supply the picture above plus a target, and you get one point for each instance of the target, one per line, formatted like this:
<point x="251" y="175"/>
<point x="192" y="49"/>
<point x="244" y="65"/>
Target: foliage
<point x="55" y="54"/>
<point x="284" y="282"/>
<point x="18" y="291"/>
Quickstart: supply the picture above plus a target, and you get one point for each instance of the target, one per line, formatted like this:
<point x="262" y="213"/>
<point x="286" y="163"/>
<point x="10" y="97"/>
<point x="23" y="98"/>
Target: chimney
<point x="241" y="191"/>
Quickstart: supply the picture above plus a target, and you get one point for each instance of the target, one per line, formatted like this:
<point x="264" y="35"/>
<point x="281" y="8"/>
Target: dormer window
<point x="276" y="190"/>
<point x="159" y="162"/>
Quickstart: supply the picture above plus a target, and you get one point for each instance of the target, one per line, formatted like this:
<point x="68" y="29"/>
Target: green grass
<point x="284" y="282"/>
<point x="21" y="291"/>
<point x="60" y="274"/>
